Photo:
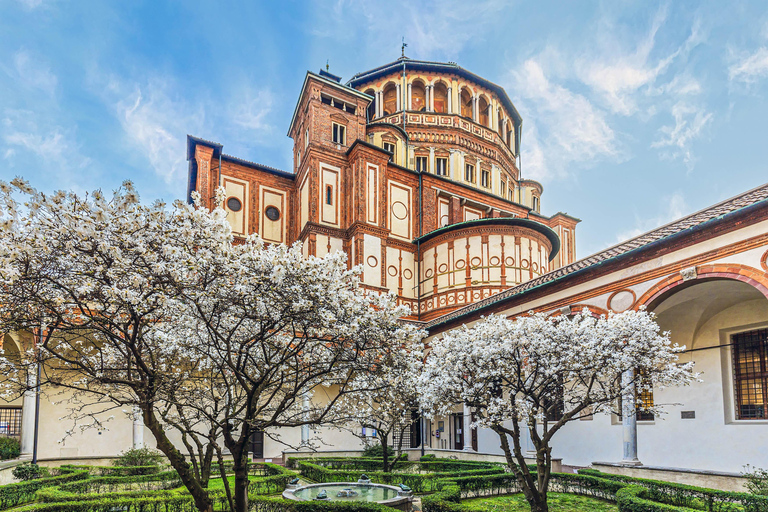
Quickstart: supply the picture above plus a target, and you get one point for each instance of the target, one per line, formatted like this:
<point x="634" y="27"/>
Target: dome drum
<point x="466" y="262"/>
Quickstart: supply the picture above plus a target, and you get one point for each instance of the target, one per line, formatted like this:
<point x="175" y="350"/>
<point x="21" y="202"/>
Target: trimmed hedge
<point x="23" y="492"/>
<point x="632" y="499"/>
<point x="9" y="448"/>
<point x="185" y="504"/>
<point x="117" y="470"/>
<point x="97" y="487"/>
<point x="420" y="483"/>
<point x="631" y="494"/>
<point x="689" y="496"/>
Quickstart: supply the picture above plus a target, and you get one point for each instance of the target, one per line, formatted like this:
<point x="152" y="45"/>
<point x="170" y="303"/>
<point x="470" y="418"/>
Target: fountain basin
<point x="339" y="491"/>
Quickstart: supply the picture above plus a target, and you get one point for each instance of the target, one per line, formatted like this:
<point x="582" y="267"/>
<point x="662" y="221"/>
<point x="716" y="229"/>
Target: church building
<point x="413" y="170"/>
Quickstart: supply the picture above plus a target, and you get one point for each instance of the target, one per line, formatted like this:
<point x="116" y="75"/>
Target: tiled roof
<point x="677" y="227"/>
<point x="512" y="221"/>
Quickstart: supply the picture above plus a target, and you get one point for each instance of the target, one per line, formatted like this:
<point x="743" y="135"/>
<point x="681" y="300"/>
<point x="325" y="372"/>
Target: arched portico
<point x="16" y="414"/>
<point x="744" y="273"/>
<point x="719" y="313"/>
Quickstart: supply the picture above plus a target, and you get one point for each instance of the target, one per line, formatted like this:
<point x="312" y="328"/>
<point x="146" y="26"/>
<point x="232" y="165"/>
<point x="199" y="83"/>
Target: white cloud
<point x="623" y="77"/>
<point x="576" y="131"/>
<point x="31" y="73"/>
<point x="250" y="109"/>
<point x="690" y="122"/>
<point x="51" y="143"/>
<point x="578" y="94"/>
<point x="432" y="28"/>
<point x="674" y="208"/>
<point x="155" y="123"/>
<point x="156" y="120"/>
<point x="750" y="68"/>
<point x="31" y="4"/>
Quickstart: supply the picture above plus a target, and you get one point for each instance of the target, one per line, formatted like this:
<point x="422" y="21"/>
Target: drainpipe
<point x="37" y="396"/>
<point x="219" y="172"/>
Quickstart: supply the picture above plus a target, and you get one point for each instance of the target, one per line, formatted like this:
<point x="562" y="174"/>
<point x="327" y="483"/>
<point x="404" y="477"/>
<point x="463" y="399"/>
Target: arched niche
<point x="441" y="97"/>
<point x="718" y="303"/>
<point x="418" y="96"/>
<point x="390" y="99"/>
<point x="465" y="98"/>
<point x="372" y="106"/>
<point x="482" y="106"/>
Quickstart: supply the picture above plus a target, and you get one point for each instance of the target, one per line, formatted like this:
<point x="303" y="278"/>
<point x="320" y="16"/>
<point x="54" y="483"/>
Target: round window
<point x="234" y="204"/>
<point x="272" y="213"/>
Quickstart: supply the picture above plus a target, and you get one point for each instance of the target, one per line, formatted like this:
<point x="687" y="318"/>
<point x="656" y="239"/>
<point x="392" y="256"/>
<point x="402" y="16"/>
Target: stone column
<point x="474" y="108"/>
<point x="305" y="428"/>
<point x="410" y="98"/>
<point x="629" y="419"/>
<point x="466" y="429"/>
<point x="490" y="117"/>
<point x="399" y="97"/>
<point x="450" y="101"/>
<point x="431" y="98"/>
<point x="28" y="408"/>
<point x="138" y="428"/>
<point x="431" y="165"/>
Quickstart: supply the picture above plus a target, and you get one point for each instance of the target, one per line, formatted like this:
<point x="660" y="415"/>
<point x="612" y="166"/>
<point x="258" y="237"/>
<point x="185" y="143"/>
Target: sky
<point x="634" y="113"/>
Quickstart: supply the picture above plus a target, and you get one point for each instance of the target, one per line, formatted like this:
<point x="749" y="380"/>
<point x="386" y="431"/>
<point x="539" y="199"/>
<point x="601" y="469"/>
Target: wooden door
<point x="458" y="431"/>
<point x="257" y="444"/>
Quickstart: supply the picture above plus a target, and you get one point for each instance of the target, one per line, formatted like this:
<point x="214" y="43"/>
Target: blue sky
<point x="634" y="113"/>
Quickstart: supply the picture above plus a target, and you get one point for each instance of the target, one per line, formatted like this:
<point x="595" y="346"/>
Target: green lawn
<point x="558" y="502"/>
<point x="217" y="484"/>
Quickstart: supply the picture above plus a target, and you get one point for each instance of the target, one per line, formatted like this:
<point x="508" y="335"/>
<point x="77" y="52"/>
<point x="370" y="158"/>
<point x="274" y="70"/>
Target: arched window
<point x="390" y="99"/>
<point x="466" y="104"/>
<point x="441" y="98"/>
<point x="372" y="106"/>
<point x="501" y="124"/>
<point x="483" y="114"/>
<point x="509" y="135"/>
<point x="418" y="96"/>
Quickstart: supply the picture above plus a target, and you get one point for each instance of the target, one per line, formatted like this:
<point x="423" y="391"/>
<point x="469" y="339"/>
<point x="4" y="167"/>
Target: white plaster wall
<point x="713" y="440"/>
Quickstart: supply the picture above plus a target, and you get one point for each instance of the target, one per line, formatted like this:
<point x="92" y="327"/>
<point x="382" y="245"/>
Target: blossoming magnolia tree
<point x="282" y="327"/>
<point x="534" y="374"/>
<point x="390" y="403"/>
<point x="92" y="276"/>
<point x="156" y="308"/>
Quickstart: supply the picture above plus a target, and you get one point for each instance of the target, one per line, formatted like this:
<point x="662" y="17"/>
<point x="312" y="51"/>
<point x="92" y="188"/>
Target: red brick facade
<point x="355" y="187"/>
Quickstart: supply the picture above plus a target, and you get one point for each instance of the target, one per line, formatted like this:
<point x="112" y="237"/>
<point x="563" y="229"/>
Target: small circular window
<point x="272" y="213"/>
<point x="234" y="204"/>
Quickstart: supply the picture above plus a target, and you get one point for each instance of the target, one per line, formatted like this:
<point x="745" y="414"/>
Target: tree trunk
<point x="224" y="479"/>
<point x="537" y="499"/>
<point x="177" y="461"/>
<point x="205" y="467"/>
<point x="240" y="455"/>
<point x="385" y="454"/>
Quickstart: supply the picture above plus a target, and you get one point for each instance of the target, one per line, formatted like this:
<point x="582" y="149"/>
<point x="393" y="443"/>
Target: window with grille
<point x="10" y="421"/>
<point x="421" y="163"/>
<point x="503" y="189"/>
<point x="553" y="405"/>
<point x="750" y="374"/>
<point x="441" y="167"/>
<point x="644" y="393"/>
<point x="485" y="178"/>
<point x="339" y="134"/>
<point x="469" y="173"/>
<point x="391" y="148"/>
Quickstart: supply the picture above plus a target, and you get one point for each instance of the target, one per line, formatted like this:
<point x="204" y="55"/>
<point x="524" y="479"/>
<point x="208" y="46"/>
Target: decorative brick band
<point x="744" y="273"/>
